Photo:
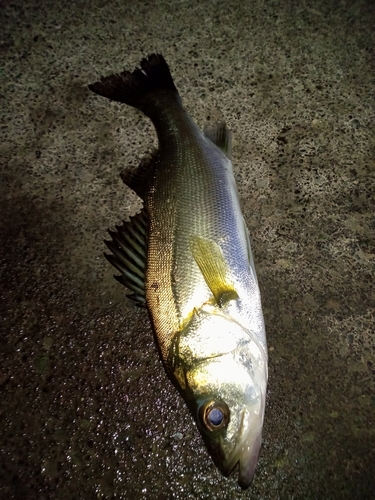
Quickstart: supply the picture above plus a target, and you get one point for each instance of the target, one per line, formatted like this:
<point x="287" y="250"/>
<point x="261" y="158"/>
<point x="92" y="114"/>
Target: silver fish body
<point x="192" y="265"/>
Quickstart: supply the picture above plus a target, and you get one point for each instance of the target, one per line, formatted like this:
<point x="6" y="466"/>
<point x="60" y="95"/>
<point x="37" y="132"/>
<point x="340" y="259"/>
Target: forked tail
<point x="142" y="88"/>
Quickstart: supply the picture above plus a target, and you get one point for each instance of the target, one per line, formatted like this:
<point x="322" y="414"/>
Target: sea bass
<point x="187" y="257"/>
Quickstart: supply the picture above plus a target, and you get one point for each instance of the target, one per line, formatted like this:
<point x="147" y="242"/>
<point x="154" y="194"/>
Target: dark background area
<point x="86" y="410"/>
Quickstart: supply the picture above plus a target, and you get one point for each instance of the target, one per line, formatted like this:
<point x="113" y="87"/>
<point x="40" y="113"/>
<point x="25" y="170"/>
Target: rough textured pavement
<point x="86" y="410"/>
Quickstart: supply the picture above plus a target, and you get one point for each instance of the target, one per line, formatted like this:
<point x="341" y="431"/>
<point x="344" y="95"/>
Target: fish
<point x="186" y="257"/>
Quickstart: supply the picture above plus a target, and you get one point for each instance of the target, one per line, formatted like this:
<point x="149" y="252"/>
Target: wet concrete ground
<point x="86" y="408"/>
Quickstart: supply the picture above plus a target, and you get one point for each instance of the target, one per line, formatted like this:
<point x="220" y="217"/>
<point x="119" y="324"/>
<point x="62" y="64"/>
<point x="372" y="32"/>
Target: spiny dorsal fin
<point x="210" y="260"/>
<point x="129" y="254"/>
<point x="138" y="178"/>
<point x="219" y="135"/>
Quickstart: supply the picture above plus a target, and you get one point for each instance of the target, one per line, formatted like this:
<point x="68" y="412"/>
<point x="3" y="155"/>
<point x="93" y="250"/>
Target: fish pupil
<point x="216" y="417"/>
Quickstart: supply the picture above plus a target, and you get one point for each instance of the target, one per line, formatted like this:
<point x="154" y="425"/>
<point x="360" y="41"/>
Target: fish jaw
<point x="247" y="452"/>
<point x="249" y="458"/>
<point x="234" y="381"/>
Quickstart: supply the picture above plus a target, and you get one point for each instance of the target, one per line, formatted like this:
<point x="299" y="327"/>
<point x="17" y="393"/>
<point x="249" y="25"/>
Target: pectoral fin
<point x="210" y="260"/>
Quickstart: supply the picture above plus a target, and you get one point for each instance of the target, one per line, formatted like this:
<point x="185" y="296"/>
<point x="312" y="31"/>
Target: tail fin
<point x="135" y="88"/>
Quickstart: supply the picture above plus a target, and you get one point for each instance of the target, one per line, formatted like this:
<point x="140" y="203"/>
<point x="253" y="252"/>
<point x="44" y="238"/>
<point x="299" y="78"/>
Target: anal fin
<point x="219" y="135"/>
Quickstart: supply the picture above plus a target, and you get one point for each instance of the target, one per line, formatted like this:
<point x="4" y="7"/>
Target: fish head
<point x="229" y="411"/>
<point x="221" y="371"/>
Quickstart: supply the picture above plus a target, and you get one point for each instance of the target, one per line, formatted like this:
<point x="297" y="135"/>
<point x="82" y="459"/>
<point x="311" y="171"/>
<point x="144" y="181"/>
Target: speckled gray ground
<point x="86" y="409"/>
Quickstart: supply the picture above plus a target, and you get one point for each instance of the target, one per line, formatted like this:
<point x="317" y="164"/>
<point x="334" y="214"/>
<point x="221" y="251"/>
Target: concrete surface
<point x="86" y="409"/>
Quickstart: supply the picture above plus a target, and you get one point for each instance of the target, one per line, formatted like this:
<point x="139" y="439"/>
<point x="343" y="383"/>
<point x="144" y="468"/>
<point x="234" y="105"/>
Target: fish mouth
<point x="245" y="455"/>
<point x="247" y="464"/>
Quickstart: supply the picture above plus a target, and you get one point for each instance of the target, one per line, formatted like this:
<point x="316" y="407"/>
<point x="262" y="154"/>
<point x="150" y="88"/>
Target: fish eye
<point x="215" y="415"/>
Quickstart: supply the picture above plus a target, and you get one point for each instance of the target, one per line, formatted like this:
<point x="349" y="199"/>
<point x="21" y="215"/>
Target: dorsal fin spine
<point x="128" y="248"/>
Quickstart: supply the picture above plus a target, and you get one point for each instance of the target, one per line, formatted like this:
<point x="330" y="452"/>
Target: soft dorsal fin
<point x="219" y="135"/>
<point x="138" y="178"/>
<point x="129" y="254"/>
<point x="210" y="260"/>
